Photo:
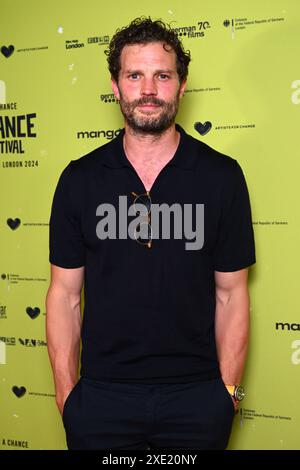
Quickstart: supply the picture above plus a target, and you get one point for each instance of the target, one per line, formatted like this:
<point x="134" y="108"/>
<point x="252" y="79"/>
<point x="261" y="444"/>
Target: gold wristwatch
<point x="236" y="391"/>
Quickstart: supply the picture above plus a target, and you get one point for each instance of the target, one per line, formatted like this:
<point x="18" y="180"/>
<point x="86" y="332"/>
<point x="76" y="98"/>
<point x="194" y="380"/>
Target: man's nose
<point x="148" y="87"/>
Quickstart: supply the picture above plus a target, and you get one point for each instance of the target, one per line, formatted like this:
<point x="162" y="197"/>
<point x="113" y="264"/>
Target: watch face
<point x="239" y="393"/>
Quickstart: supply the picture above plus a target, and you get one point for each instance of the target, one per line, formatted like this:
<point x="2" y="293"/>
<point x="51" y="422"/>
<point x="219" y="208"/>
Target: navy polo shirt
<point x="149" y="313"/>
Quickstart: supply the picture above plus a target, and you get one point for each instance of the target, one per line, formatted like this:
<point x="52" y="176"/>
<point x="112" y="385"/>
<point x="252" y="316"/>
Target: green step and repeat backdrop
<point x="56" y="104"/>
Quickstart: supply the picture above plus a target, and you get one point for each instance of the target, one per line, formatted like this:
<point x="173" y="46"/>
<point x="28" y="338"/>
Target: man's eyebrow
<point x="166" y="71"/>
<point x="156" y="71"/>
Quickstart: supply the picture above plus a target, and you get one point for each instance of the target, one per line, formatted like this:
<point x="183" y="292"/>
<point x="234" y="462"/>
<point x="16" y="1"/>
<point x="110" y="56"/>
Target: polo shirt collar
<point x="183" y="157"/>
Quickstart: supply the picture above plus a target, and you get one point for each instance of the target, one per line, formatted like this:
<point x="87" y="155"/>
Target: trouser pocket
<point x="69" y="400"/>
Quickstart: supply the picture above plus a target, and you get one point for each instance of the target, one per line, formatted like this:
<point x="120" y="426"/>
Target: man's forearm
<point x="63" y="325"/>
<point x="232" y="333"/>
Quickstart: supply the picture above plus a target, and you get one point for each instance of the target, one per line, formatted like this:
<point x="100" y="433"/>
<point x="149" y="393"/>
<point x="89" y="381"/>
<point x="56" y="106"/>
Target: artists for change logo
<point x="203" y="128"/>
<point x="7" y="51"/>
<point x="13" y="223"/>
<point x="33" y="312"/>
<point x="19" y="392"/>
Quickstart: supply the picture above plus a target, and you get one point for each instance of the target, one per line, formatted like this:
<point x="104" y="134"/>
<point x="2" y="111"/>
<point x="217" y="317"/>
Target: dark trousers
<point x="105" y="415"/>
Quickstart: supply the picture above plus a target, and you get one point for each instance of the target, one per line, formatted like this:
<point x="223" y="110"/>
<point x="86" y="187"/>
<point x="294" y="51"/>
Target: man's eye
<point x="134" y="76"/>
<point x="163" y="76"/>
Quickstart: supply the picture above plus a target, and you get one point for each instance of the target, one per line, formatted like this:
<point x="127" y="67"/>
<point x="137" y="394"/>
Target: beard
<point x="147" y="122"/>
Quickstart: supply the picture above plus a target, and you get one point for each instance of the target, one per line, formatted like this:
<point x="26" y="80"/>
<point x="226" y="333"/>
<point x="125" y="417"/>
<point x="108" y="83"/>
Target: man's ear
<point x="182" y="88"/>
<point x="115" y="88"/>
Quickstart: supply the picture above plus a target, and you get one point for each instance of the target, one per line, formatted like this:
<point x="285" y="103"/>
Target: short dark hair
<point x="144" y="30"/>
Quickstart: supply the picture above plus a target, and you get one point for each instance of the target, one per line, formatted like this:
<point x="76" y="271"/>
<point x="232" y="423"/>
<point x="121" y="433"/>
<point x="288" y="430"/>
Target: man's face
<point x="148" y="87"/>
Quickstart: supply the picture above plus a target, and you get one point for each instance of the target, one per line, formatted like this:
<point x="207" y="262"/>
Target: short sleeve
<point x="235" y="246"/>
<point x="66" y="242"/>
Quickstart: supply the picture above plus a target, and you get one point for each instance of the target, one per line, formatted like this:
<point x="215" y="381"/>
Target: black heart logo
<point x="33" y="312"/>
<point x="7" y="51"/>
<point x="13" y="223"/>
<point x="19" y="391"/>
<point x="203" y="128"/>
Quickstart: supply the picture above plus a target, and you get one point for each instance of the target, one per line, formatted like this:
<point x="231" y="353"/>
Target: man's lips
<point x="148" y="106"/>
